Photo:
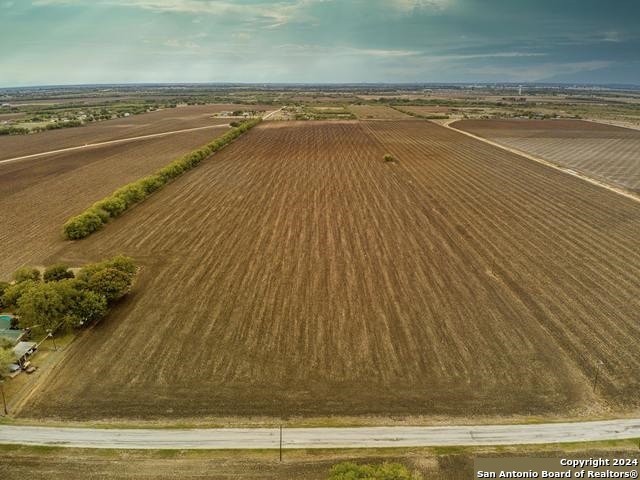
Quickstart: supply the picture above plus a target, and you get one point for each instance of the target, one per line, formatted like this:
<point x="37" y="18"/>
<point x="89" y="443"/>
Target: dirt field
<point x="38" y="195"/>
<point x="378" y="112"/>
<point x="608" y="153"/>
<point x="136" y="125"/>
<point x="296" y="273"/>
<point x="426" y="110"/>
<point x="11" y="116"/>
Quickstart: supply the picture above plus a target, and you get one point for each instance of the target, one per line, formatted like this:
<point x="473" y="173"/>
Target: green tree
<point x="13" y="293"/>
<point x="119" y="262"/>
<point x="26" y="273"/>
<point x="42" y="305"/>
<point x="83" y="305"/>
<point x="3" y="287"/>
<point x="110" y="282"/>
<point x="63" y="303"/>
<point x="7" y="357"/>
<point x="57" y="272"/>
<point x="84" y="224"/>
<point x="385" y="471"/>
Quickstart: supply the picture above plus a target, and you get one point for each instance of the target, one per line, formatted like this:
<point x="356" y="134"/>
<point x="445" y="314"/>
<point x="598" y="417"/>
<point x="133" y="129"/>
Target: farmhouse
<point x="14" y="337"/>
<point x="23" y="350"/>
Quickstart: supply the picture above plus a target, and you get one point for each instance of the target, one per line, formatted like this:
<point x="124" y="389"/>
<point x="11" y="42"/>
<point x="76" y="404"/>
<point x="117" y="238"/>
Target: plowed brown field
<point x="604" y="152"/>
<point x="38" y="195"/>
<point x="160" y="121"/>
<point x="297" y="273"/>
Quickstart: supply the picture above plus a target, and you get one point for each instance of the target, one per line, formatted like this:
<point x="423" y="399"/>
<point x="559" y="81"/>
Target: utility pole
<point x="55" y="348"/>
<point x="281" y="443"/>
<point x="4" y="401"/>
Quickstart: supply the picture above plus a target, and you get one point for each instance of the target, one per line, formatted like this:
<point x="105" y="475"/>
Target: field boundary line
<point x="635" y="128"/>
<point x="568" y="171"/>
<point x="109" y="142"/>
<point x="322" y="437"/>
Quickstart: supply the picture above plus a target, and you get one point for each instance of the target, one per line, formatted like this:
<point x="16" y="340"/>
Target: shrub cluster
<point x="385" y="471"/>
<point x="63" y="300"/>
<point x="115" y="204"/>
<point x="11" y="130"/>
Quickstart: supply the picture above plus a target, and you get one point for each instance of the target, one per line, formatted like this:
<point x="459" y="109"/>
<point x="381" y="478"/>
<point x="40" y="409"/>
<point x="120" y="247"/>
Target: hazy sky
<point x="113" y="41"/>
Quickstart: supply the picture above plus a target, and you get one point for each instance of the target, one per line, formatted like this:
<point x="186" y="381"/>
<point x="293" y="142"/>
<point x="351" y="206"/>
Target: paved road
<point x="360" y="437"/>
<point x="109" y="142"/>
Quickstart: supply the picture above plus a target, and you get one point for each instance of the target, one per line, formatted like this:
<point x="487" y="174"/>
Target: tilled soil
<point x="296" y="273"/>
<point x="604" y="152"/>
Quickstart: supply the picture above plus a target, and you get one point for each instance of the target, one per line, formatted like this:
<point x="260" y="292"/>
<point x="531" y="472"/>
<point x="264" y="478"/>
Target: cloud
<point x="268" y="14"/>
<point x="471" y="56"/>
<point x="342" y="51"/>
<point x="177" y="43"/>
<point x="612" y="36"/>
<point x="242" y="36"/>
<point x="539" y="72"/>
<point x="408" y="6"/>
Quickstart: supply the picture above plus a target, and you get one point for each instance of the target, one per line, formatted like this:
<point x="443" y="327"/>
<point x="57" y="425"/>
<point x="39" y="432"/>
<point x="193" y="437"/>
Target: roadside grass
<point x="310" y="422"/>
<point x="426" y="463"/>
<point x="631" y="445"/>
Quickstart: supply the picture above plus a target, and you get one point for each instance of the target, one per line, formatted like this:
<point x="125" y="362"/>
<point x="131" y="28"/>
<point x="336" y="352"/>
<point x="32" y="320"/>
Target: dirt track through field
<point x="296" y="273"/>
<point x="109" y="142"/>
<point x="38" y="195"/>
<point x="171" y="119"/>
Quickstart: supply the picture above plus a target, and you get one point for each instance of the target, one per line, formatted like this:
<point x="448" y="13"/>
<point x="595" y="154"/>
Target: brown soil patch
<point x="160" y="121"/>
<point x="604" y="152"/>
<point x="296" y="273"/>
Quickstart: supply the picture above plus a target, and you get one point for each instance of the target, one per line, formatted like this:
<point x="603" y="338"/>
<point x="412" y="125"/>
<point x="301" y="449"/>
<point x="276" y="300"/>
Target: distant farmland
<point x="166" y="120"/>
<point x="608" y="153"/>
<point x="427" y="110"/>
<point x="379" y="112"/>
<point x="296" y="273"/>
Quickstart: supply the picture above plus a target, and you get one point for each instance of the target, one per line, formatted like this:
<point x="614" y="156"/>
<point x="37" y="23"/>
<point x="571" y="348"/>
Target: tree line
<point x="93" y="218"/>
<point x="60" y="299"/>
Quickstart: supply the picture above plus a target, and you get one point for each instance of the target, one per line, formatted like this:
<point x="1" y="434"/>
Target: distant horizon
<point x="336" y="84"/>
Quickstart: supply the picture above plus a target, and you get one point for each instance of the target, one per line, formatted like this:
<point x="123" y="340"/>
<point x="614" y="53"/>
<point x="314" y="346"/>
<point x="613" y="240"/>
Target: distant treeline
<point x="50" y="126"/>
<point x="119" y="201"/>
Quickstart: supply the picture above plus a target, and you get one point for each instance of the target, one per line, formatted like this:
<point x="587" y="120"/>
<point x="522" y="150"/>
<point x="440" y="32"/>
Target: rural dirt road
<point x="109" y="142"/>
<point x="272" y="113"/>
<point x="360" y="437"/>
